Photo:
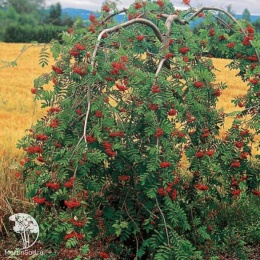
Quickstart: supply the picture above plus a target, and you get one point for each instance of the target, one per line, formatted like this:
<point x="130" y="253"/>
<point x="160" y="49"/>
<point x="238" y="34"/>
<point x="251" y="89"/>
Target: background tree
<point x="246" y="15"/>
<point x="26" y="21"/>
<point x="224" y="17"/>
<point x="26" y="6"/>
<point x="256" y="24"/>
<point x="54" y="16"/>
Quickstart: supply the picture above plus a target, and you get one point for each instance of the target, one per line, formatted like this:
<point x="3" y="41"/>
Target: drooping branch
<point x="224" y="23"/>
<point x="190" y="18"/>
<point x="170" y="19"/>
<point x="124" y="10"/>
<point x="159" y="68"/>
<point x="126" y="24"/>
<point x="110" y="30"/>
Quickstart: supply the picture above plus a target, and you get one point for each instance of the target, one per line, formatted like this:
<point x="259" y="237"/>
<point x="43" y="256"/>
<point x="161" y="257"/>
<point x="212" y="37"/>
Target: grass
<point x="18" y="110"/>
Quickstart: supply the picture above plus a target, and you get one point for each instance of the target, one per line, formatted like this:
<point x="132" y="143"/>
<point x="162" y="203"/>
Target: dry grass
<point x="18" y="111"/>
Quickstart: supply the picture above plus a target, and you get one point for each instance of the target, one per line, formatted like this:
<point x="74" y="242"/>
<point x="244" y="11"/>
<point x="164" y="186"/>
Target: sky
<point x="237" y="5"/>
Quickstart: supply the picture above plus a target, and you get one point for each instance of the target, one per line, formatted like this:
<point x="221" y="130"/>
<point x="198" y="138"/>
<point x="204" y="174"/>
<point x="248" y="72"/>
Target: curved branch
<point x="224" y="23"/>
<point x="229" y="16"/>
<point x="159" y="68"/>
<point x="164" y="221"/>
<point x="109" y="30"/>
<point x="124" y="10"/>
<point x="212" y="9"/>
<point x="126" y="24"/>
<point x="172" y="18"/>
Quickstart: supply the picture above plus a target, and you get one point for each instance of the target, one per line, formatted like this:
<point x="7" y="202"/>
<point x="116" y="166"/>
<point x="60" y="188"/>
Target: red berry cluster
<point x="235" y="164"/>
<point x="140" y="38"/>
<point x="124" y="178"/>
<point x="79" y="70"/>
<point x="33" y="90"/>
<point x="69" y="183"/>
<point x="184" y="50"/>
<point x="159" y="132"/>
<point x="160" y="3"/>
<point x="41" y="137"/>
<point x="165" y="164"/>
<point x="106" y="8"/>
<point x="52" y="185"/>
<point x="231" y="45"/>
<point x="103" y="255"/>
<point x="236" y="192"/>
<point x="172" y="112"/>
<point x="90" y="139"/>
<point x="57" y="69"/>
<point x="156" y="89"/>
<point x="38" y="200"/>
<point x="98" y="114"/>
<point x="117" y="67"/>
<point x="238" y="144"/>
<point x="186" y="2"/>
<point x="54" y="123"/>
<point x="168" y="55"/>
<point x="73" y="234"/>
<point x="211" y="32"/>
<point x="117" y="134"/>
<point x="108" y="148"/>
<point x="34" y="149"/>
<point x="73" y="203"/>
<point x="153" y="106"/>
<point x="138" y="5"/>
<point x="76" y="223"/>
<point x="199" y="154"/>
<point x="256" y="192"/>
<point x="121" y="87"/>
<point x="169" y="190"/>
<point x="54" y="110"/>
<point x="201" y="187"/>
<point x="198" y="84"/>
<point x="206" y="133"/>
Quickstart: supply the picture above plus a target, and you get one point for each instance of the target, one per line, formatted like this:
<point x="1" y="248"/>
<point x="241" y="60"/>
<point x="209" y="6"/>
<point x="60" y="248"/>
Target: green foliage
<point x="104" y="164"/>
<point x="28" y="33"/>
<point x="246" y="15"/>
<point x="27" y="21"/>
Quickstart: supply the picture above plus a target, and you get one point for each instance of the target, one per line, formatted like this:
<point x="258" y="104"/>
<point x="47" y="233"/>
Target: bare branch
<point x="229" y="16"/>
<point x="126" y="24"/>
<point x="124" y="10"/>
<point x="159" y="68"/>
<point x="173" y="18"/>
<point x="109" y="30"/>
<point x="164" y="221"/>
<point x="224" y="23"/>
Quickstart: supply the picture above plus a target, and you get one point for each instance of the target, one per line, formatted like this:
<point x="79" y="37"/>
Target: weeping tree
<point x="128" y="161"/>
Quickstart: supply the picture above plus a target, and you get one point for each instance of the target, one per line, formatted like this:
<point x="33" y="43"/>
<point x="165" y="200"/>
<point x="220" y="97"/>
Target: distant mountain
<point x="253" y="17"/>
<point x="84" y="14"/>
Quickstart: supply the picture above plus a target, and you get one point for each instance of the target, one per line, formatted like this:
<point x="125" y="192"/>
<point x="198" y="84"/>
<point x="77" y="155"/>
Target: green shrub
<point x="28" y="33"/>
<point x="104" y="163"/>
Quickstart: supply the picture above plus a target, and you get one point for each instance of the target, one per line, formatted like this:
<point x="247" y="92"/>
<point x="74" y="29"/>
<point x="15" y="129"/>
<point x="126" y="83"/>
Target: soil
<point x="65" y="253"/>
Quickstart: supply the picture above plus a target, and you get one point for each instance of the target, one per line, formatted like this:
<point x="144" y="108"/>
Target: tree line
<point x="30" y="20"/>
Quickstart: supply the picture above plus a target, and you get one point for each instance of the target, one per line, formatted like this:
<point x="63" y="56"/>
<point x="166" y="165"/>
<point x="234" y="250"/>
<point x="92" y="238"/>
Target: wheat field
<point x="18" y="110"/>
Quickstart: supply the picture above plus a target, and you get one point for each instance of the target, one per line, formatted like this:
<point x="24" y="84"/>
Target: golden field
<point x="18" y="111"/>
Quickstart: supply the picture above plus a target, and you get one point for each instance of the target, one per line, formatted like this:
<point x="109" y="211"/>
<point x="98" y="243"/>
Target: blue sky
<point x="237" y="5"/>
